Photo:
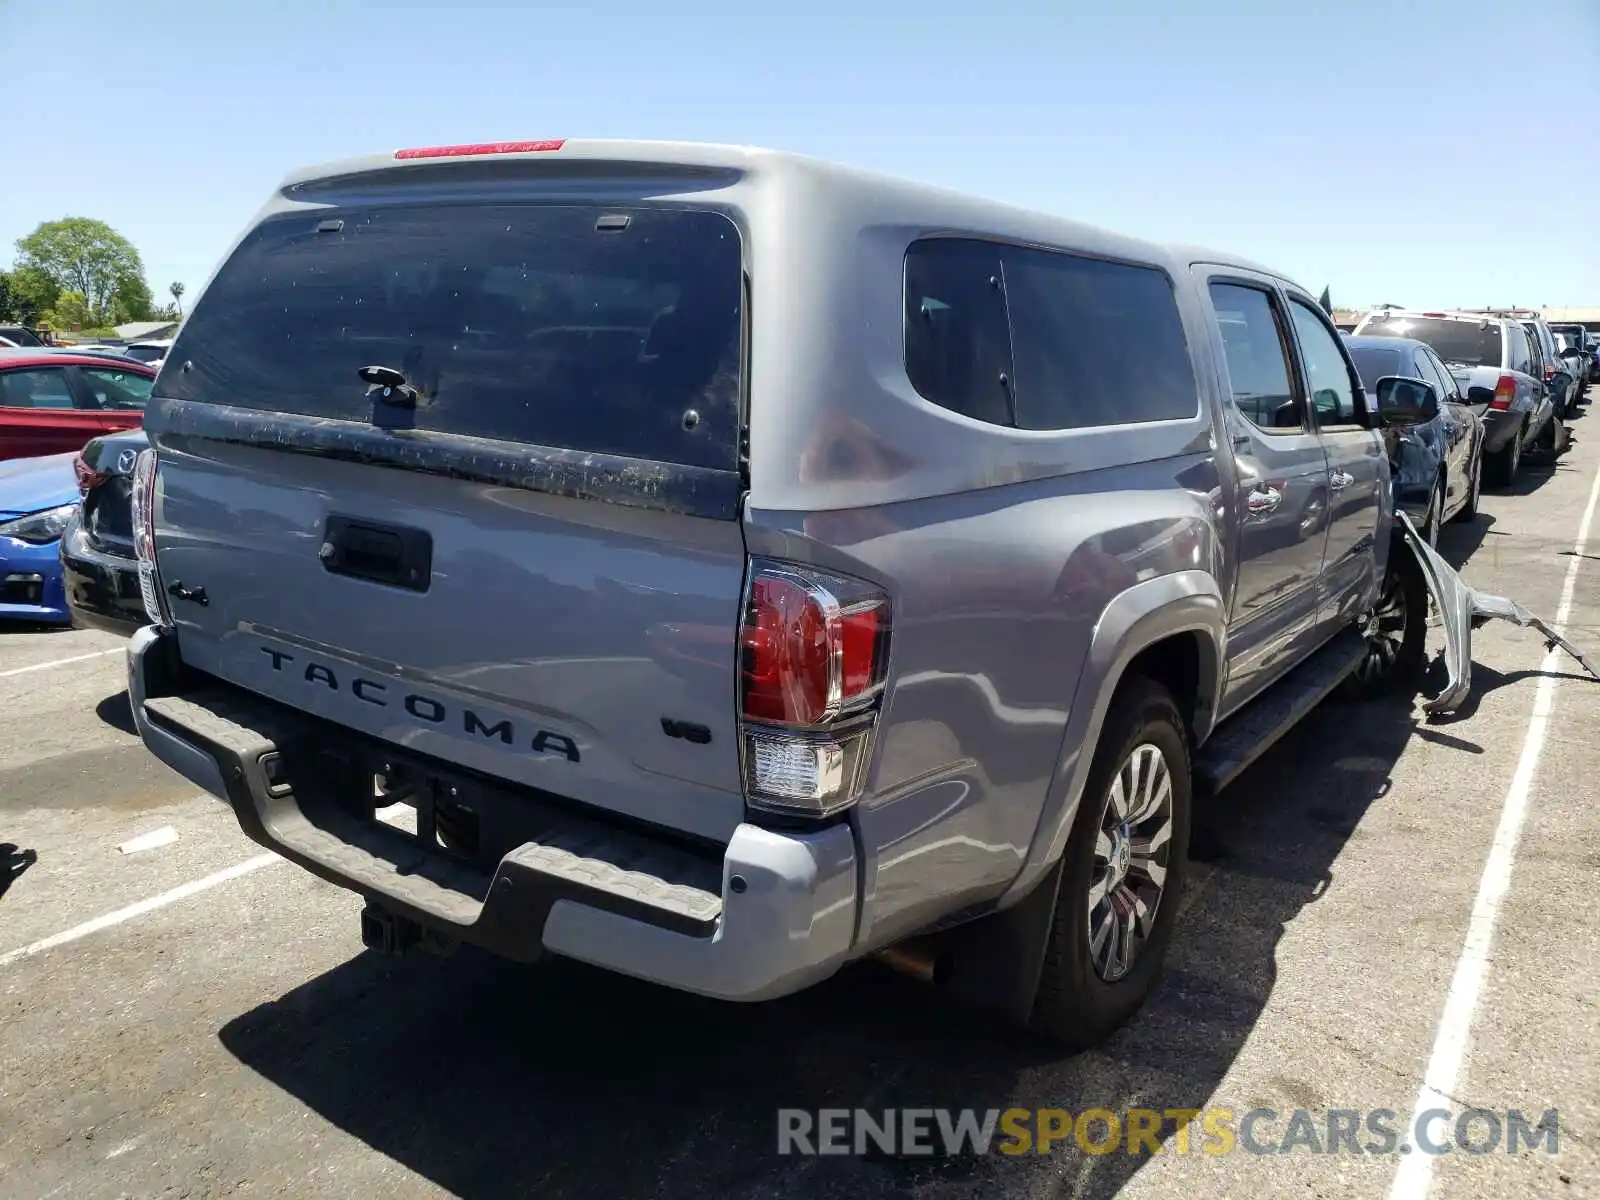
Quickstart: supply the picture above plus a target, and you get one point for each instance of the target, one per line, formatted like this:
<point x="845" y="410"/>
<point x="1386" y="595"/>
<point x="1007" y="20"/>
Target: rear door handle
<point x="1338" y="481"/>
<point x="1264" y="500"/>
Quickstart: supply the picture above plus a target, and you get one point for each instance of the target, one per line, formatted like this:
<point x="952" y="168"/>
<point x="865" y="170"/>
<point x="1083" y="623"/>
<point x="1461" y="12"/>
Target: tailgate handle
<point x="396" y="555"/>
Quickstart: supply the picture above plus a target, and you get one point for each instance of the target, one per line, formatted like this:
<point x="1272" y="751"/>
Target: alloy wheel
<point x="1129" y="873"/>
<point x="1384" y="629"/>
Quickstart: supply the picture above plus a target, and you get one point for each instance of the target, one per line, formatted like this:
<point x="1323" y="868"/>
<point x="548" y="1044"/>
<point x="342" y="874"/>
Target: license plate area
<point x="442" y="812"/>
<point x="472" y="821"/>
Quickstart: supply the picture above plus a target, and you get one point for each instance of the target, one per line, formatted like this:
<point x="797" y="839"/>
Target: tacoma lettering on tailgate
<point x="424" y="708"/>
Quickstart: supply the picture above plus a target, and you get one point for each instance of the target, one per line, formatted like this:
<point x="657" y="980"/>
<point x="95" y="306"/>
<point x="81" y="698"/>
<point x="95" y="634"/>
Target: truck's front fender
<point x="1184" y="603"/>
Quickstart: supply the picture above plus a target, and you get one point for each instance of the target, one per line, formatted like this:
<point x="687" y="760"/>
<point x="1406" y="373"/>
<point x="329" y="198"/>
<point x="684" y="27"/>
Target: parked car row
<point x="1504" y="366"/>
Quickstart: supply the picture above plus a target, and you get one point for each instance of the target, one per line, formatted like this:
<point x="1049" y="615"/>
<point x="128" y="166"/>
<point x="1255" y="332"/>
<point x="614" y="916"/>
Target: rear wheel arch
<point x="1171" y="628"/>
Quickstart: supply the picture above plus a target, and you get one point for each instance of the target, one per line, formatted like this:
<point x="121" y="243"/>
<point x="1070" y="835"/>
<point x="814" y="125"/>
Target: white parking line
<point x="59" y="662"/>
<point x="1415" y="1173"/>
<point x="181" y="892"/>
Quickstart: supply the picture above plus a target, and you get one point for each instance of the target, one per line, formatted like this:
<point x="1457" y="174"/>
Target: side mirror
<point x="1406" y="401"/>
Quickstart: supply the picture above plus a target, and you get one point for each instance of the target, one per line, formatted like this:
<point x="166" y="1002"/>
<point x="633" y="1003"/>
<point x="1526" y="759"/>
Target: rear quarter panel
<point x="997" y="597"/>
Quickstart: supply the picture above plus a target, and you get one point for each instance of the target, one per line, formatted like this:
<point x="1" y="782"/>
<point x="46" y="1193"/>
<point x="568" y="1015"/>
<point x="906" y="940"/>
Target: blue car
<point x="1435" y="436"/>
<point x="37" y="498"/>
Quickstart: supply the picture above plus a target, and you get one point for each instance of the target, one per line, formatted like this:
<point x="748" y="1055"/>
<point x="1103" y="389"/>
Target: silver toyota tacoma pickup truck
<point x="740" y="565"/>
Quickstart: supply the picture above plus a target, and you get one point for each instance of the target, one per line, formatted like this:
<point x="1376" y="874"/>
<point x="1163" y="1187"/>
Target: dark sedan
<point x="1435" y="438"/>
<point x="98" y="567"/>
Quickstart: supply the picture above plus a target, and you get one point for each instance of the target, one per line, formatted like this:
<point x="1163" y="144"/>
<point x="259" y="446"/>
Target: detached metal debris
<point x="1464" y="609"/>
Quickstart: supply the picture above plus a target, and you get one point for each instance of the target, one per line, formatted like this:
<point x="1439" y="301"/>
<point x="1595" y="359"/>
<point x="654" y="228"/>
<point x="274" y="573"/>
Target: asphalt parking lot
<point x="199" y="1019"/>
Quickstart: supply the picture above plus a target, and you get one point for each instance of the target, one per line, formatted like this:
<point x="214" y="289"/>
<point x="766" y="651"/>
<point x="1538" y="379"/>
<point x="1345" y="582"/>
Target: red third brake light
<point x="1505" y="391"/>
<point x="470" y="148"/>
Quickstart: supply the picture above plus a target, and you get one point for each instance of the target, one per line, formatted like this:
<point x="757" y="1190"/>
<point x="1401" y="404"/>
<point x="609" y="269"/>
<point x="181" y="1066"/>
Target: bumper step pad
<point x="569" y="855"/>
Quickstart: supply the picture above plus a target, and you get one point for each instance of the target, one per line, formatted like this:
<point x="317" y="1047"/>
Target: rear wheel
<point x="1553" y="437"/>
<point x="1122" y="872"/>
<point x="1508" y="462"/>
<point x="1395" y="629"/>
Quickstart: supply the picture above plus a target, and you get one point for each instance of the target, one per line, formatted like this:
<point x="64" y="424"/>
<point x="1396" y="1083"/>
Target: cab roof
<point x="818" y="181"/>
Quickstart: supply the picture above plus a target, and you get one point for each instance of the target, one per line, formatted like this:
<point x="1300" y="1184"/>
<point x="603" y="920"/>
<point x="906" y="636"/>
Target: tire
<point x="1553" y="438"/>
<point x="1082" y="999"/>
<point x="1508" y="462"/>
<point x="1396" y="629"/>
<point x="1469" y="510"/>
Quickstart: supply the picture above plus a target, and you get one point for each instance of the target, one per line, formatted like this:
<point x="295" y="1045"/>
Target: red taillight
<point x="805" y="656"/>
<point x="88" y="477"/>
<point x="470" y="148"/>
<point x="858" y="643"/>
<point x="1504" y="393"/>
<point x="787" y="653"/>
<point x="813" y="657"/>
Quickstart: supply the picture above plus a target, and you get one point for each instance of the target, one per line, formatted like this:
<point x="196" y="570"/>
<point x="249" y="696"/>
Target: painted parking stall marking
<point x="1415" y="1174"/>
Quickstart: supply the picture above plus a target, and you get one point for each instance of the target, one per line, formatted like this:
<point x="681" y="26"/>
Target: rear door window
<point x="1433" y="371"/>
<point x="1519" y="353"/>
<point x="957" y="336"/>
<point x="1095" y="342"/>
<point x="42" y="387"/>
<point x="116" y="389"/>
<point x="1257" y="354"/>
<point x="610" y="330"/>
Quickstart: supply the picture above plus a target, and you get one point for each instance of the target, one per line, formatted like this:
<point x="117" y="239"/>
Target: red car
<point x="53" y="401"/>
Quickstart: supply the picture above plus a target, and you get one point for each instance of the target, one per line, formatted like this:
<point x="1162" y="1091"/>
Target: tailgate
<point x="505" y="574"/>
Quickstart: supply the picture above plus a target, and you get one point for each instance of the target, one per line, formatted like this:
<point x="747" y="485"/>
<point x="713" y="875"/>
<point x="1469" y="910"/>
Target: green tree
<point x="32" y="293"/>
<point x="177" y="290"/>
<point x="71" y="311"/>
<point x="87" y="257"/>
<point x="131" y="301"/>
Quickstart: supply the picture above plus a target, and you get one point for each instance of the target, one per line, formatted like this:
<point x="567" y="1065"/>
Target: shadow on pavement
<point x="13" y="862"/>
<point x="117" y="712"/>
<point x="1459" y="540"/>
<point x="1535" y="473"/>
<point x="492" y="1079"/>
<point x="1487" y="679"/>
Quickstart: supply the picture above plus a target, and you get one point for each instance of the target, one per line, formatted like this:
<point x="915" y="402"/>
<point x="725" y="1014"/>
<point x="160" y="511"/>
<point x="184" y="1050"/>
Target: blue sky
<point x="1405" y="151"/>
